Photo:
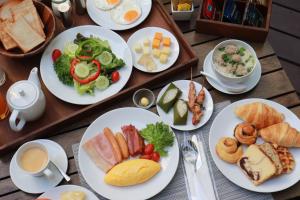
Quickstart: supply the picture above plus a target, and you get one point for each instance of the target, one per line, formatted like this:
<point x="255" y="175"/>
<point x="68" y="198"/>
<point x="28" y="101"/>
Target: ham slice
<point x="104" y="148"/>
<point x="134" y="140"/>
<point x="95" y="157"/>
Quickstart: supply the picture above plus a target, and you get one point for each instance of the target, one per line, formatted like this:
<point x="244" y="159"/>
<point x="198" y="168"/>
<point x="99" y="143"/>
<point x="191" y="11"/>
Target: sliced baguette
<point x="24" y="35"/>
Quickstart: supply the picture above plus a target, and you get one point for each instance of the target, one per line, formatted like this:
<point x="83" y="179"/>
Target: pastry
<point x="282" y="134"/>
<point x="228" y="149"/>
<point x="256" y="165"/>
<point x="270" y="151"/>
<point x="259" y="114"/>
<point x="245" y="133"/>
<point x="286" y="158"/>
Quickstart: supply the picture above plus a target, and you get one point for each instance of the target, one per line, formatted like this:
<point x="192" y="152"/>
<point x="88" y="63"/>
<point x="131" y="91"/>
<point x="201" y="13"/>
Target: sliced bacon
<point x="127" y="133"/>
<point x="134" y="141"/>
<point x="142" y="144"/>
<point x="95" y="157"/>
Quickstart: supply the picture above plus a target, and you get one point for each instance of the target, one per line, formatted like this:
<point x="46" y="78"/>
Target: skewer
<point x="191" y="73"/>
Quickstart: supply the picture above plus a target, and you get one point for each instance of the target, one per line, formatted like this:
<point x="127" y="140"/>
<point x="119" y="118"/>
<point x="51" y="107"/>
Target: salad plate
<point x="115" y="119"/>
<point x="148" y="33"/>
<point x="55" y="193"/>
<point x="183" y="85"/>
<point x="62" y="50"/>
<point x="104" y="17"/>
<point x="223" y="126"/>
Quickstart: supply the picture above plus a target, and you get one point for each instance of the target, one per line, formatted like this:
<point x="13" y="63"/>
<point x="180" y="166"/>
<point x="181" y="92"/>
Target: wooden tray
<point x="59" y="113"/>
<point x="258" y="34"/>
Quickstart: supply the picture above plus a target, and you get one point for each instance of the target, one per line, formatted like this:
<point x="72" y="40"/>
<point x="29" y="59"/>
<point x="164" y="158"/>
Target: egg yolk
<point x="112" y="2"/>
<point x="131" y="15"/>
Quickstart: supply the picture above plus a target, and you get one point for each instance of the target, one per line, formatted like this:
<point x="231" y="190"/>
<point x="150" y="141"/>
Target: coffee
<point x="33" y="159"/>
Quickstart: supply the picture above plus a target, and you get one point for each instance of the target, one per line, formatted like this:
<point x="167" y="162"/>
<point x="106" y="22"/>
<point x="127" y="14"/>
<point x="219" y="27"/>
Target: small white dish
<point x="68" y="93"/>
<point x="182" y="15"/>
<point x="139" y="94"/>
<point x="250" y="83"/>
<point x="223" y="126"/>
<point x="54" y="193"/>
<point x="104" y="19"/>
<point x="94" y="176"/>
<point x="40" y="184"/>
<point x="149" y="32"/>
<point x="183" y="85"/>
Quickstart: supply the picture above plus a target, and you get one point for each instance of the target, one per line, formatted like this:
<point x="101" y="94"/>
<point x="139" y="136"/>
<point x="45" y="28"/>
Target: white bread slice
<point x="5" y="13"/>
<point x="256" y="165"/>
<point x="6" y="40"/>
<point x="26" y="37"/>
<point x="269" y="150"/>
<point x="27" y="10"/>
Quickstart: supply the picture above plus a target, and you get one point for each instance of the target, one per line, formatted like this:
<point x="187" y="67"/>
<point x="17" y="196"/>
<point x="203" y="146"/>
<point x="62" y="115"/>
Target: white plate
<point x="224" y="124"/>
<point x="55" y="193"/>
<point x="183" y="85"/>
<point x="40" y="184"/>
<point x="68" y="93"/>
<point x="104" y="19"/>
<point x="149" y="32"/>
<point x="250" y="83"/>
<point x="94" y="176"/>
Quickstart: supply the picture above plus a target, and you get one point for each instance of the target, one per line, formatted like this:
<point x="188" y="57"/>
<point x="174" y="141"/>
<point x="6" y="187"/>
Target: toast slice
<point x="256" y="165"/>
<point x="27" y="10"/>
<point x="24" y="35"/>
<point x="268" y="149"/>
<point x="6" y="40"/>
<point x="5" y="12"/>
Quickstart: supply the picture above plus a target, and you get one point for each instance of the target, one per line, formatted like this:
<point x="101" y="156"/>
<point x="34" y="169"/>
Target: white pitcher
<point x="26" y="101"/>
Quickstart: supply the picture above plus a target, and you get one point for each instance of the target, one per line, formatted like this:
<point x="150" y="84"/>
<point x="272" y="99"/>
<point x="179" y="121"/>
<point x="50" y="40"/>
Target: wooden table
<point x="274" y="85"/>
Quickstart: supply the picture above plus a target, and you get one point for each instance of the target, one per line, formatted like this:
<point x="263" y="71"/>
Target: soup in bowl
<point x="234" y="60"/>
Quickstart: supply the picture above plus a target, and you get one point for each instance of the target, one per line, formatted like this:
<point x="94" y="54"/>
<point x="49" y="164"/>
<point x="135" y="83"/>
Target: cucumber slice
<point x="180" y="112"/>
<point x="170" y="96"/>
<point x="82" y="70"/>
<point x="70" y="49"/>
<point x="102" y="82"/>
<point x="105" y="58"/>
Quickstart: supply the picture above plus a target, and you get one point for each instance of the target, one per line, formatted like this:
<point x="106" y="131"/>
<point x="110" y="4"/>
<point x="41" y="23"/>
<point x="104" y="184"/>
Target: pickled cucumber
<point x="180" y="112"/>
<point x="169" y="97"/>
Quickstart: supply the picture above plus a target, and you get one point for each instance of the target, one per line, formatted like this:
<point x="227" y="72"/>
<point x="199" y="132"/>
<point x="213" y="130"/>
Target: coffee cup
<point x="33" y="159"/>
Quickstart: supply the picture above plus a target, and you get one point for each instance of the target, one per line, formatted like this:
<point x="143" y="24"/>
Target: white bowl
<point x="182" y="15"/>
<point x="222" y="76"/>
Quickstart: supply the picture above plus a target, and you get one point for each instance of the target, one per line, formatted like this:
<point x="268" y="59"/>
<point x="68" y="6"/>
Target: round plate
<point x="55" y="193"/>
<point x="221" y="128"/>
<point x="250" y="83"/>
<point x="149" y="32"/>
<point x="40" y="184"/>
<point x="69" y="94"/>
<point x="183" y="85"/>
<point x="104" y="19"/>
<point x="94" y="176"/>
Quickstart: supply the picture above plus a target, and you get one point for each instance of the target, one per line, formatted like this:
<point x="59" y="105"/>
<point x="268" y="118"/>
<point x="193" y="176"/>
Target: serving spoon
<point x="236" y="89"/>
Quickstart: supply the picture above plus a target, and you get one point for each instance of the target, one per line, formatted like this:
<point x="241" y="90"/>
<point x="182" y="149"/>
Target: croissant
<point x="282" y="134"/>
<point x="259" y="114"/>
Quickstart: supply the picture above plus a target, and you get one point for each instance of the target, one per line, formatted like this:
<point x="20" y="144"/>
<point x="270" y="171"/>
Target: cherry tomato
<point x="115" y="76"/>
<point x="155" y="156"/>
<point x="149" y="148"/>
<point x="56" y="53"/>
<point x="147" y="157"/>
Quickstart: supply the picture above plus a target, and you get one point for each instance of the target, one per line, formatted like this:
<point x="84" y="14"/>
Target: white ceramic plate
<point x="224" y="124"/>
<point x="104" y="19"/>
<point x="250" y="83"/>
<point x="55" y="193"/>
<point x="40" y="184"/>
<point x="69" y="94"/>
<point x="94" y="176"/>
<point x="149" y="33"/>
<point x="183" y="85"/>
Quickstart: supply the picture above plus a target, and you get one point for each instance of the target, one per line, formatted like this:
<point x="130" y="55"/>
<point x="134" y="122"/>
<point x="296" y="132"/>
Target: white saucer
<point x="55" y="193"/>
<point x="183" y="85"/>
<point x="40" y="184"/>
<point x="250" y="83"/>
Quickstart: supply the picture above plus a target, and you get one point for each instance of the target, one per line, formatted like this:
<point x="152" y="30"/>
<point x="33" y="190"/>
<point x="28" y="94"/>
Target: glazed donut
<point x="245" y="133"/>
<point x="229" y="150"/>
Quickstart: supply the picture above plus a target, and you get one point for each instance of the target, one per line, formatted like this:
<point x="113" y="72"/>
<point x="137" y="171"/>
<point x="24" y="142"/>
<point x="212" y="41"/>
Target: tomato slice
<point x="56" y="53"/>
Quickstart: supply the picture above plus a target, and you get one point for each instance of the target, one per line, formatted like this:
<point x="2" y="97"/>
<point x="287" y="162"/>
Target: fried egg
<point x="127" y="12"/>
<point x="107" y="4"/>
